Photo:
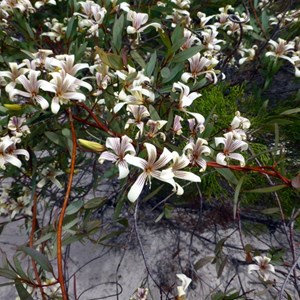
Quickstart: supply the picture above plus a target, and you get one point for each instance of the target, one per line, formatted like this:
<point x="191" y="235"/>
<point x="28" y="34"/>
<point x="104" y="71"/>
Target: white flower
<point x="195" y="151"/>
<point x="210" y="41"/>
<point x="154" y="127"/>
<point x="140" y="113"/>
<point x="15" y="71"/>
<point x="196" y="124"/>
<point x="191" y="39"/>
<point x="8" y="152"/>
<point x="150" y="169"/>
<point x="281" y="49"/>
<point x="263" y="267"/>
<point x="41" y="3"/>
<point x="230" y="145"/>
<point x="120" y="147"/>
<point x="139" y="96"/>
<point x="15" y="125"/>
<point x="50" y="174"/>
<point x="184" y="285"/>
<point x="247" y="54"/>
<point x="66" y="63"/>
<point x="139" y="19"/>
<point x="32" y="86"/>
<point x="22" y="205"/>
<point x="238" y="126"/>
<point x="177" y="125"/>
<point x="186" y="98"/>
<point x="179" y="163"/>
<point x="200" y="65"/>
<point x="65" y="88"/>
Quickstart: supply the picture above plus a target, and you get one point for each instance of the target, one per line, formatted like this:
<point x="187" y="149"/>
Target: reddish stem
<point x="62" y="214"/>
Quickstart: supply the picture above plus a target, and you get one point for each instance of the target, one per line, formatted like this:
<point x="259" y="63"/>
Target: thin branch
<point x="31" y="241"/>
<point x="63" y="210"/>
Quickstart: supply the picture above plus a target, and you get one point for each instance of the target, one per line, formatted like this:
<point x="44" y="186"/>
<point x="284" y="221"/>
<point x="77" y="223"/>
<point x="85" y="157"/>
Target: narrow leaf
<point x="236" y="196"/>
<point x="184" y="55"/>
<point x="228" y="175"/>
<point x="202" y="262"/>
<point x="19" y="268"/>
<point x="117" y="33"/>
<point x="95" y="203"/>
<point x="9" y="274"/>
<point x="221" y="267"/>
<point x="74" y="207"/>
<point x="270" y="211"/>
<point x="22" y="292"/>
<point x="291" y="111"/>
<point x="37" y="256"/>
<point x="151" y="64"/>
<point x="268" y="189"/>
<point x="138" y="58"/>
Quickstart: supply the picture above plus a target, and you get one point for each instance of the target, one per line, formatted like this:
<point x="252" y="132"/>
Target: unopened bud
<point x="13" y="106"/>
<point x="96" y="147"/>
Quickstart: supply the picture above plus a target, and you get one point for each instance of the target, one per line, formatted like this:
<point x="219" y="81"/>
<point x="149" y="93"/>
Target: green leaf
<point x="66" y="132"/>
<point x="7" y="283"/>
<point x="138" y="58"/>
<point x="265" y="20"/>
<point x="177" y="38"/>
<point x="268" y="189"/>
<point x="9" y="274"/>
<point x="110" y="235"/>
<point x="165" y="39"/>
<point x="69" y="223"/>
<point x="270" y="211"/>
<point x="112" y="60"/>
<point x="67" y="240"/>
<point x="219" y="245"/>
<point x="228" y="175"/>
<point x="74" y="207"/>
<point x="291" y="111"/>
<point x="117" y="33"/>
<point x="80" y="50"/>
<point x="151" y="64"/>
<point x="19" y="268"/>
<point x="221" y="267"/>
<point x="37" y="256"/>
<point x="177" y="33"/>
<point x="165" y="72"/>
<point x="22" y="292"/>
<point x="95" y="202"/>
<point x="202" y="262"/>
<point x="184" y="55"/>
<point x="119" y="206"/>
<point x="71" y="28"/>
<point x="152" y="194"/>
<point x="55" y="138"/>
<point x="236" y="196"/>
<point x="173" y="73"/>
<point x="153" y="113"/>
<point x="45" y="238"/>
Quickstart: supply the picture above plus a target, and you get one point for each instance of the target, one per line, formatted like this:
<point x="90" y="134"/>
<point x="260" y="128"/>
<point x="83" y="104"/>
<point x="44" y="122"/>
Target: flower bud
<point x="96" y="147"/>
<point x="13" y="106"/>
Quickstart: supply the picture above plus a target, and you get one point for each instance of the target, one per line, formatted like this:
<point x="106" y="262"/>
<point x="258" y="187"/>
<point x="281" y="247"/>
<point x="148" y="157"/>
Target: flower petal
<point x="137" y="187"/>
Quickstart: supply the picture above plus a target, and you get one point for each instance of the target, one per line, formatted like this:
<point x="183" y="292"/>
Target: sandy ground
<point x="154" y="257"/>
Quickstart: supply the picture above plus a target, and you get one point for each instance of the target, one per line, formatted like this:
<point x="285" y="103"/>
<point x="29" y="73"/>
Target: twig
<point x="100" y="124"/>
<point x="31" y="240"/>
<point x="287" y="278"/>
<point x="63" y="210"/>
